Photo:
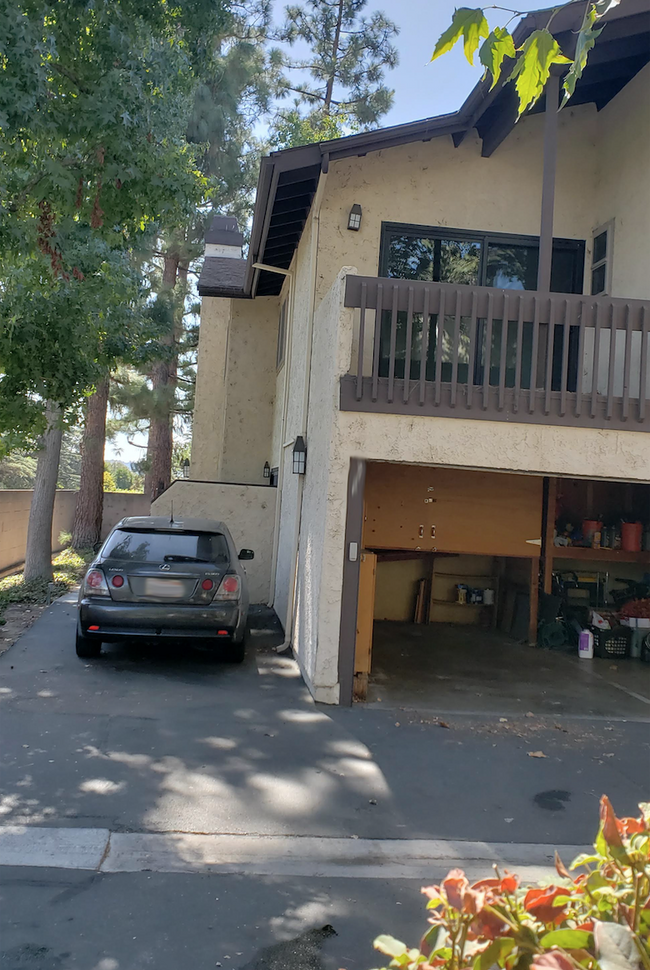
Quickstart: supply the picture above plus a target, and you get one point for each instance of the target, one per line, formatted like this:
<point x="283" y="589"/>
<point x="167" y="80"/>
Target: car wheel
<point x="87" y="648"/>
<point x="233" y="652"/>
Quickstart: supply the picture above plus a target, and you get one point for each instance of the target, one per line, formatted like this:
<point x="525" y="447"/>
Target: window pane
<point x="457" y="261"/>
<point x="410" y="258"/>
<point x="598" y="280"/>
<point x="512" y="267"/>
<point x="563" y="271"/>
<point x="442" y="260"/>
<point x="141" y="546"/>
<point x="600" y="247"/>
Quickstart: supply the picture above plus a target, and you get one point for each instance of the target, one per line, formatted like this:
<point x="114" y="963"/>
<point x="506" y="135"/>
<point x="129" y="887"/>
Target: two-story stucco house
<point x="431" y="373"/>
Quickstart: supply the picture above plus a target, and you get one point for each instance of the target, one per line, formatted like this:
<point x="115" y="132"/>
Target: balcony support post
<point x="548" y="184"/>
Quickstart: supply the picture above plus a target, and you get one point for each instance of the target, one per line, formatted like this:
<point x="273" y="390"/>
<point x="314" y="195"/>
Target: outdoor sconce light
<point x="299" y="456"/>
<point x="267" y="470"/>
<point x="185" y="465"/>
<point x="354" y="219"/>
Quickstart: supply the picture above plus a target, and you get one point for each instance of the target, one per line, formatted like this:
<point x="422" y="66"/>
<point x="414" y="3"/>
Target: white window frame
<point x="607" y="261"/>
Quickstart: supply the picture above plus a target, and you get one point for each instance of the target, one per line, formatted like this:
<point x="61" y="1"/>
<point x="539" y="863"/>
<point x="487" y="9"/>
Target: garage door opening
<point x="462" y="572"/>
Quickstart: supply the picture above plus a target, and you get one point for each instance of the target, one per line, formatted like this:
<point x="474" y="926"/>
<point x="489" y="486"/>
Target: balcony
<point x="501" y="355"/>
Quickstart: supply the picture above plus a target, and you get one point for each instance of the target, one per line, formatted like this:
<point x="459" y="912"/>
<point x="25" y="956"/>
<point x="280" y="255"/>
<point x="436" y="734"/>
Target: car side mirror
<point x="246" y="554"/>
<point x="97" y="546"/>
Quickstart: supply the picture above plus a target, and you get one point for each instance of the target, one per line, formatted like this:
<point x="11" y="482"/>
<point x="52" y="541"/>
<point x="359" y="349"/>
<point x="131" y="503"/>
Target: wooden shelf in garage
<point x="487" y="606"/>
<point x="599" y="555"/>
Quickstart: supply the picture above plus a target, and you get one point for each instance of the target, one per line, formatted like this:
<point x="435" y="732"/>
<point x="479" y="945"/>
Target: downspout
<point x="285" y="405"/>
<point x="315" y="235"/>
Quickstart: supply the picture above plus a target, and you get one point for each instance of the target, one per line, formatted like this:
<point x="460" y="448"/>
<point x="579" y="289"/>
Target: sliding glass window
<point x="463" y="257"/>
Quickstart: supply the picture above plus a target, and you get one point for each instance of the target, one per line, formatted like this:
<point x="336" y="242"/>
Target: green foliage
<point x="469" y="24"/>
<point x="494" y="50"/>
<point x="533" y="60"/>
<point x="293" y="129"/>
<point x="597" y="920"/>
<point x="95" y="101"/>
<point x="18" y="470"/>
<point x="533" y="67"/>
<point x="124" y="479"/>
<point x="109" y="482"/>
<point x="69" y="566"/>
<point x="341" y="76"/>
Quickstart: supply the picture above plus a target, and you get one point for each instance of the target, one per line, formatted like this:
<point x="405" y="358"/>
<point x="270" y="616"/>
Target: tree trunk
<point x="87" y="525"/>
<point x="38" y="554"/>
<point x="163" y="381"/>
<point x="329" y="90"/>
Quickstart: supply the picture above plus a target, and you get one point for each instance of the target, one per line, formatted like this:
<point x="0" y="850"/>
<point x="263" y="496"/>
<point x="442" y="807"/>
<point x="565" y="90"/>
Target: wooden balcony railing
<point x="504" y="355"/>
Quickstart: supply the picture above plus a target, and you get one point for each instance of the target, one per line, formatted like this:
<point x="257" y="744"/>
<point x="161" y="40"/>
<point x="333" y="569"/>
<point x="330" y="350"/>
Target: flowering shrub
<point x="598" y="919"/>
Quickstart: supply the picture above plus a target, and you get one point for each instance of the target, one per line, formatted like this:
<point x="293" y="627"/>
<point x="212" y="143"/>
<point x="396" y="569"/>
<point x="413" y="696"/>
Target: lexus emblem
<point x="164" y="565"/>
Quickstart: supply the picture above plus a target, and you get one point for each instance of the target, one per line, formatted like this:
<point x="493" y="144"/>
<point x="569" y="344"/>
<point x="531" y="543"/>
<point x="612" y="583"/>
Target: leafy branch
<point x="531" y="63"/>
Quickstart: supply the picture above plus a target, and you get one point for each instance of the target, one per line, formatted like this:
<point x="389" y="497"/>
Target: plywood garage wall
<point x="452" y="510"/>
<point x="396" y="588"/>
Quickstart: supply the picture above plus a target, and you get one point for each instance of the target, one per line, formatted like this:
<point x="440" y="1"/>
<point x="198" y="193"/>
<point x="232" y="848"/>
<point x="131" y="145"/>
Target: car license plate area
<point x="164" y="588"/>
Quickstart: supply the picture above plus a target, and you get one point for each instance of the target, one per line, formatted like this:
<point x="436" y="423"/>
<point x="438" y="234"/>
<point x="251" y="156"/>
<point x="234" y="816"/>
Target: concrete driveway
<point x="163" y="809"/>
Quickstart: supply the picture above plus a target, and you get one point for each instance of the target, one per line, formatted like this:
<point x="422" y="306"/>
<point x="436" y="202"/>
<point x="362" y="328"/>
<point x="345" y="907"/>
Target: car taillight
<point x="229" y="589"/>
<point x="207" y="585"/>
<point x="95" y="583"/>
<point x="118" y="581"/>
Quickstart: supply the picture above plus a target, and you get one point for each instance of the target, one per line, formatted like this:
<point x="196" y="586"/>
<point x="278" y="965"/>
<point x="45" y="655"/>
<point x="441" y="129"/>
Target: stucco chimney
<point x="223" y="238"/>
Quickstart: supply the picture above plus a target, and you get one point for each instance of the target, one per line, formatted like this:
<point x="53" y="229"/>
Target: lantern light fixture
<point x="299" y="456"/>
<point x="267" y="470"/>
<point x="185" y="466"/>
<point x="354" y="219"/>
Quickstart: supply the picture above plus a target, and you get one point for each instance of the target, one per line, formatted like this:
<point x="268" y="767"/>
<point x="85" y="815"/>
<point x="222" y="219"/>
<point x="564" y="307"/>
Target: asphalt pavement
<point x="160" y="808"/>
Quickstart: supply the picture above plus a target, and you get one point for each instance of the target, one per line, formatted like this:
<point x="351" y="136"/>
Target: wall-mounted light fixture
<point x="299" y="456"/>
<point x="267" y="470"/>
<point x="354" y="219"/>
<point x="185" y="466"/>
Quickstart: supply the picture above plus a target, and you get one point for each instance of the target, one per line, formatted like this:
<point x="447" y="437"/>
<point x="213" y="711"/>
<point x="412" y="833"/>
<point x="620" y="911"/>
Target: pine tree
<point x="236" y="81"/>
<point x="340" y="81"/>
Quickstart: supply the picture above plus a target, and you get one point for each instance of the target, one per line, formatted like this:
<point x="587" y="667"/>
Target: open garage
<point x="474" y="588"/>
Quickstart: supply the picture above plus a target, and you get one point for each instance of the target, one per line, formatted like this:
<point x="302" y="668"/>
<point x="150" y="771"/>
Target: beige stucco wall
<point x="210" y="391"/>
<point x="250" y="389"/>
<point x="14" y="518"/>
<point x="623" y="184"/>
<point x="247" y="510"/>
<point x="235" y="390"/>
<point x="117" y="505"/>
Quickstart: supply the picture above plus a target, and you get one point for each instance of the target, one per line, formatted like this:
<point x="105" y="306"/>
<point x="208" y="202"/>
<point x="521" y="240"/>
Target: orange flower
<point x="455" y="885"/>
<point x="539" y="902"/>
<point x="507" y="884"/>
<point x="630" y="826"/>
<point x="473" y="901"/>
<point x="608" y="823"/>
<point x="487" y="926"/>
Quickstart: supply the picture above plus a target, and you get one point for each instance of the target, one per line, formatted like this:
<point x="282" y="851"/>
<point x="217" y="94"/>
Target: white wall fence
<point x="14" y="516"/>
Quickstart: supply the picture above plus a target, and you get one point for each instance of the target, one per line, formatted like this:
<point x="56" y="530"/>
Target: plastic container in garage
<point x="631" y="536"/>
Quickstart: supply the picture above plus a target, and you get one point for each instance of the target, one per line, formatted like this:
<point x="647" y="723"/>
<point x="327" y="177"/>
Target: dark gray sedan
<point x="159" y="578"/>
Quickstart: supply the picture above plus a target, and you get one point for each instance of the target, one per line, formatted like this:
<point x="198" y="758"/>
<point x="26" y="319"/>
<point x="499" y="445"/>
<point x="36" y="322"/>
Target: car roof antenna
<point x="171" y="514"/>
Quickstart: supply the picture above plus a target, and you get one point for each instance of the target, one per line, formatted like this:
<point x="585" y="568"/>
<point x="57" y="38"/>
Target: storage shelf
<point x="599" y="555"/>
<point x="464" y="605"/>
<point x="464" y="576"/>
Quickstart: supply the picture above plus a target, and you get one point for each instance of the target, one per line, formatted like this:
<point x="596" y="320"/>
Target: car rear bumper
<point x="147" y="620"/>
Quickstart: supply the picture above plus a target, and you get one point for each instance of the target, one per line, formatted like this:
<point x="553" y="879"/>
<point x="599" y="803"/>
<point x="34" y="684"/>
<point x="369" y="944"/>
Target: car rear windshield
<point x="138" y="545"/>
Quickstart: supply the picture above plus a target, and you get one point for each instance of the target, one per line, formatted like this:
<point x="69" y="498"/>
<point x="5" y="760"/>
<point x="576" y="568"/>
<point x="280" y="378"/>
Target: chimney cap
<point x="224" y="231"/>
